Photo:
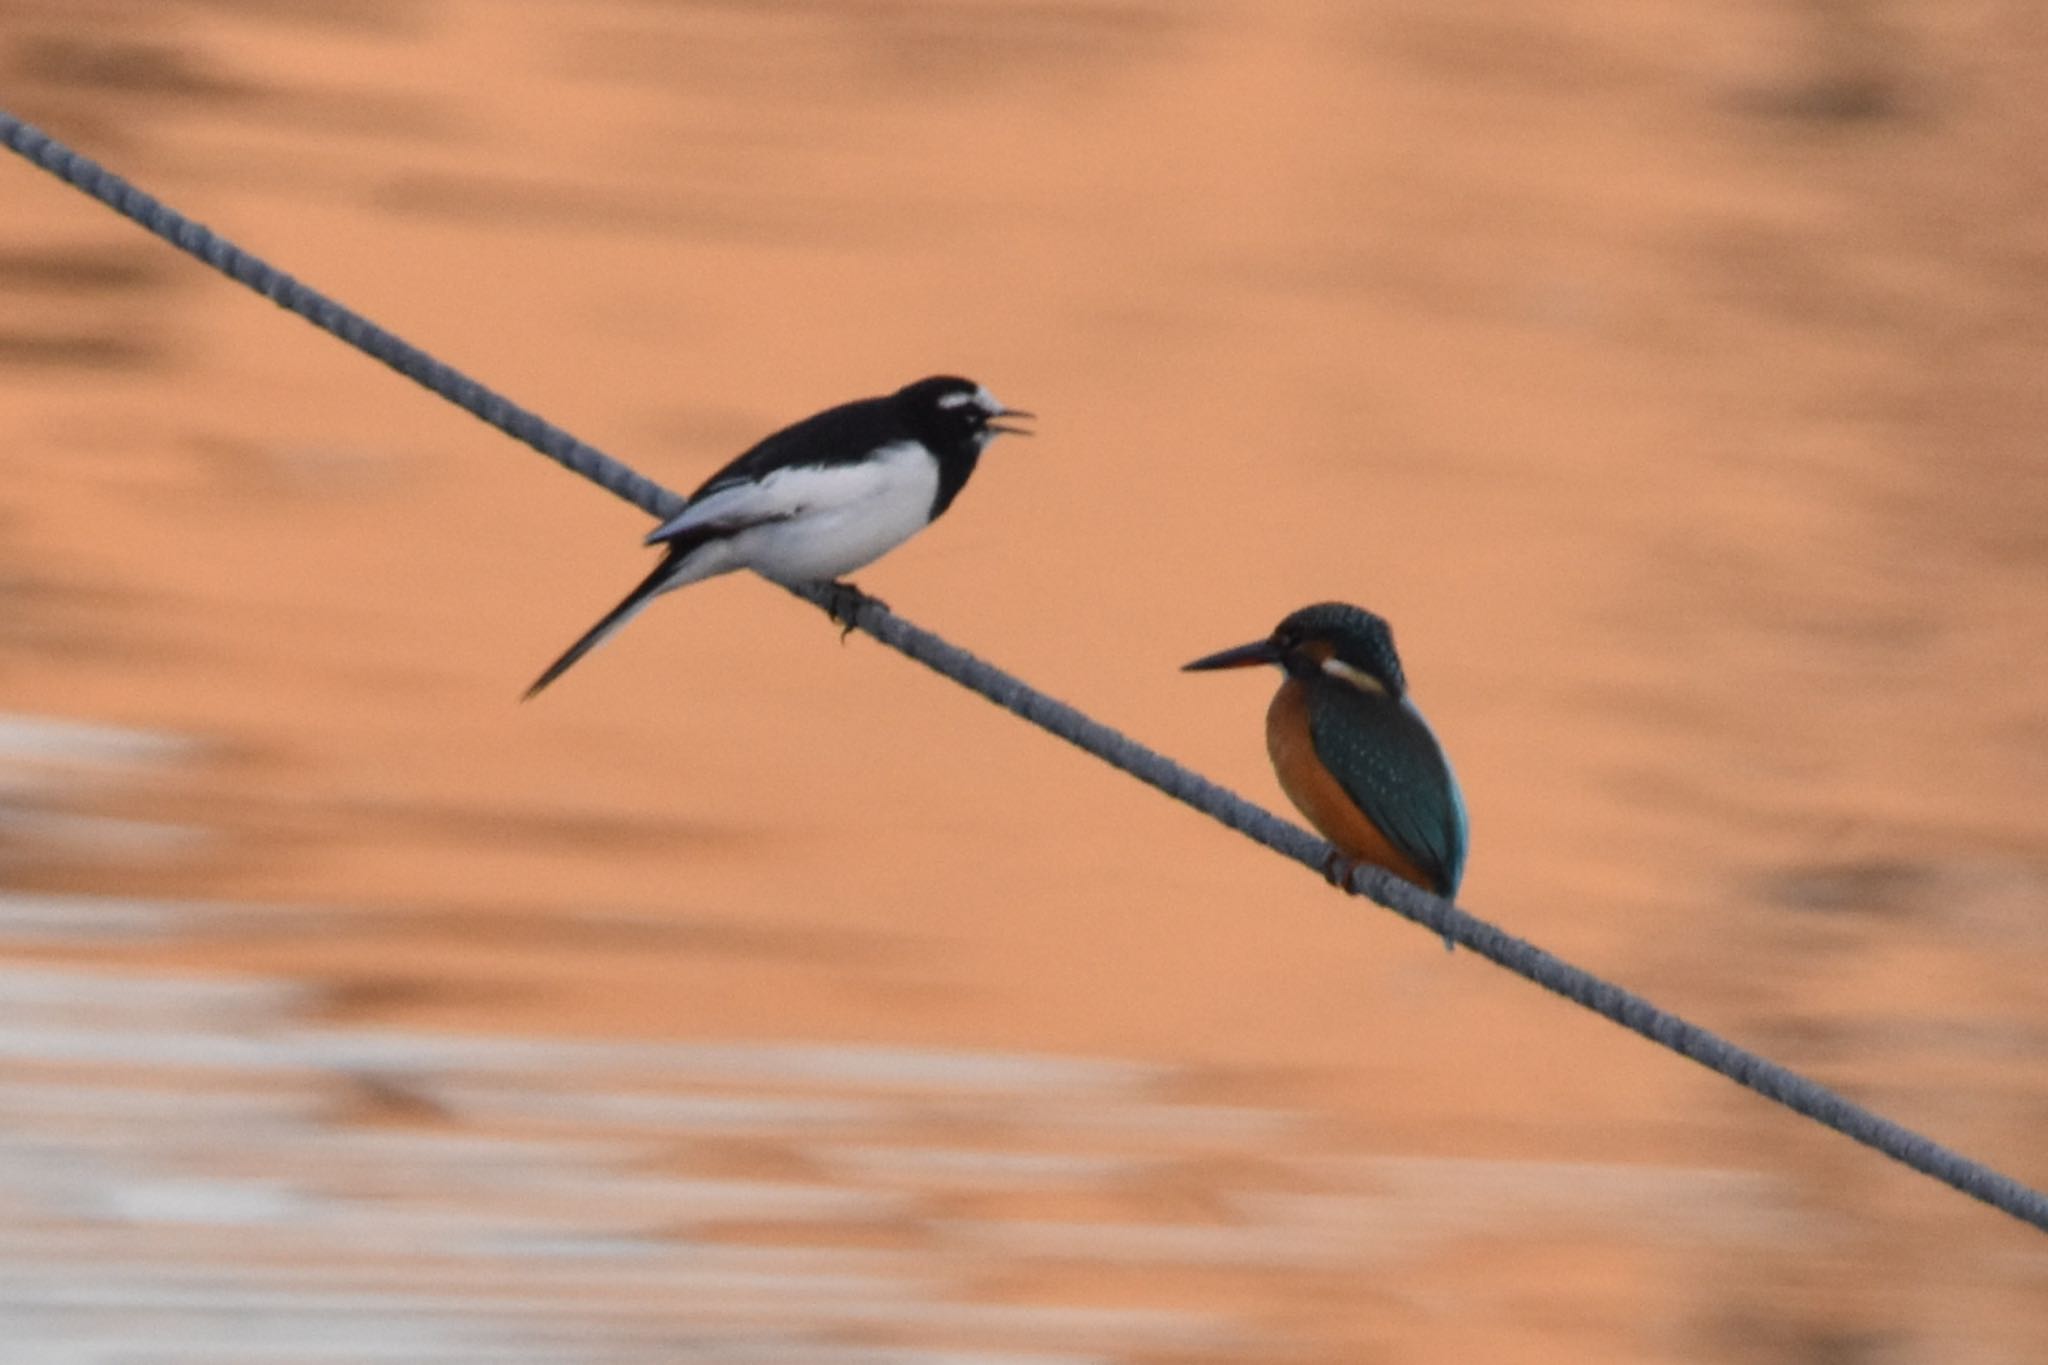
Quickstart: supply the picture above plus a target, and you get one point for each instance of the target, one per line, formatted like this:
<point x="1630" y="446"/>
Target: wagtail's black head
<point x="955" y="416"/>
<point x="1329" y="640"/>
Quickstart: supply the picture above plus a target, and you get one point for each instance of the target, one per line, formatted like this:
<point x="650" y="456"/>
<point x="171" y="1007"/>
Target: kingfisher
<point x="1352" y="751"/>
<point x="821" y="498"/>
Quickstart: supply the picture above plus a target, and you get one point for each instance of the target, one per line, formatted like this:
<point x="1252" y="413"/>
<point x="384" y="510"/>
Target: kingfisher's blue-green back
<point x="1385" y="757"/>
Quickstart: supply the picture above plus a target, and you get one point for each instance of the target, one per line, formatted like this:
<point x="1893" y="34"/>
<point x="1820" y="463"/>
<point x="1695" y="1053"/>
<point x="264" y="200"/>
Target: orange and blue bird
<point x="1352" y="751"/>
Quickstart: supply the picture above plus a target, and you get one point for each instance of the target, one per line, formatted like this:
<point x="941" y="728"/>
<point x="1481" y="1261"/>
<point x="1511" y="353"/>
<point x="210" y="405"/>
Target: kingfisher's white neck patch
<point x="1355" y="677"/>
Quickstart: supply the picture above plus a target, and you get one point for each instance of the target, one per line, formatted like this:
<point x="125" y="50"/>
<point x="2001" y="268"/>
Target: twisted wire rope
<point x="1631" y="1011"/>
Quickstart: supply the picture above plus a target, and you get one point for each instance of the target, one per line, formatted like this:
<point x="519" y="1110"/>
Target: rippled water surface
<point x="1670" y="378"/>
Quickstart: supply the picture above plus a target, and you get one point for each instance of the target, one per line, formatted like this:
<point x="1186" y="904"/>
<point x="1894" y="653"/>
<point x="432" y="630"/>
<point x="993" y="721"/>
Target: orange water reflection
<point x="1670" y="379"/>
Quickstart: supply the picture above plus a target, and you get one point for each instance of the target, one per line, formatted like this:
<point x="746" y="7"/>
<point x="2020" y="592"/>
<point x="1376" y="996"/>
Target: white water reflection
<point x="195" y="1171"/>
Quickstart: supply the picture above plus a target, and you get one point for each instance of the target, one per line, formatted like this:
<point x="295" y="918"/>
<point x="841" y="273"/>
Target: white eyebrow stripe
<point x="959" y="400"/>
<point x="1357" y="677"/>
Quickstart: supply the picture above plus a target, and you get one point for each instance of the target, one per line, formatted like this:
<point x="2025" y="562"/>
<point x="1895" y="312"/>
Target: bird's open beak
<point x="1014" y="431"/>
<point x="1244" y="656"/>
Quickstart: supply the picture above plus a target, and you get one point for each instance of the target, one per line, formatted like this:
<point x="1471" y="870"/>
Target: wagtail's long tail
<point x="659" y="581"/>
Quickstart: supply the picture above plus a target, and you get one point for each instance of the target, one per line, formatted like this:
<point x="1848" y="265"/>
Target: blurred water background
<point x="1670" y="376"/>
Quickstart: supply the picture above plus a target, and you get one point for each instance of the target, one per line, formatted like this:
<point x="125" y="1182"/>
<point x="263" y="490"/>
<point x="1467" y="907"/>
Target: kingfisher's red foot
<point x="1338" y="869"/>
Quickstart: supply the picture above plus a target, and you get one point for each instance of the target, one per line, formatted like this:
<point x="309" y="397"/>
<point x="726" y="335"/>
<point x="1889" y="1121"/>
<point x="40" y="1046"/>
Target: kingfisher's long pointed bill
<point x="1244" y="656"/>
<point x="1014" y="412"/>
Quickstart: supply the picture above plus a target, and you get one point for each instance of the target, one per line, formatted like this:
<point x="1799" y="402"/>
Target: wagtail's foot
<point x="843" y="601"/>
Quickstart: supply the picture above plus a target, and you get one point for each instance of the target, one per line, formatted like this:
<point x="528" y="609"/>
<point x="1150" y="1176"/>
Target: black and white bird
<point x="821" y="498"/>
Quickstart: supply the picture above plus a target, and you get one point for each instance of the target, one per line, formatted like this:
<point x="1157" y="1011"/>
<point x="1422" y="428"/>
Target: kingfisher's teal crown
<point x="1356" y="636"/>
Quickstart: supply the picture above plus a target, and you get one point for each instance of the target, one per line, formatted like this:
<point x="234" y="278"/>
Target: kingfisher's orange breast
<point x="1317" y="795"/>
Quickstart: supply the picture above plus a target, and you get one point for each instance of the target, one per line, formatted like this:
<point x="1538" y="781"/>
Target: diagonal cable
<point x="1525" y="959"/>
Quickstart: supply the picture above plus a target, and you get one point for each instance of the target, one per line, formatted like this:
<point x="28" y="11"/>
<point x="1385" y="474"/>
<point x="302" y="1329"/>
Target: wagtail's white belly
<point x="830" y="520"/>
